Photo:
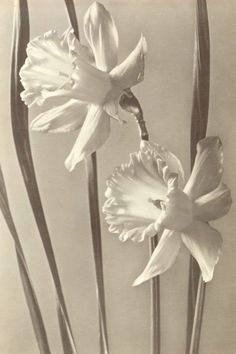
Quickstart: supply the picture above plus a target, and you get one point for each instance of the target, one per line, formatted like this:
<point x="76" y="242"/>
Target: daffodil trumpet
<point x="149" y="196"/>
<point x="77" y="86"/>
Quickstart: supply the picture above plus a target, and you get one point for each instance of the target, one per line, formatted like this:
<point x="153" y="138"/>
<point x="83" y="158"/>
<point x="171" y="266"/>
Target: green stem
<point x="155" y="306"/>
<point x="199" y="121"/>
<point x="197" y="323"/>
<point x="91" y="165"/>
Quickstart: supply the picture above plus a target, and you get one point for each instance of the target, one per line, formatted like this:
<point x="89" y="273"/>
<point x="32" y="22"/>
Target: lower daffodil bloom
<point x="79" y="87"/>
<point x="148" y="196"/>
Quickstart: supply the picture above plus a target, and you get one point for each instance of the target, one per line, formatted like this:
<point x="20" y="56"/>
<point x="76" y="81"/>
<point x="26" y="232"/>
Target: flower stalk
<point x="199" y="121"/>
<point x="130" y="103"/>
<point x="91" y="168"/>
<point x="19" y="116"/>
<point x="198" y="314"/>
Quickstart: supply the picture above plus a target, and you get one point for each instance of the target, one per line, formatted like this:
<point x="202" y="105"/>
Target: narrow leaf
<point x="72" y="16"/>
<point x="30" y="295"/>
<point x="199" y="121"/>
<point x="19" y="115"/>
<point x="201" y="82"/>
<point x="91" y="165"/>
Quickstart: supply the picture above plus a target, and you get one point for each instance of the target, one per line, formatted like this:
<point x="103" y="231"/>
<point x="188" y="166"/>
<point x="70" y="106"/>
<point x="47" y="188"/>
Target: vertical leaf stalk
<point x="199" y="119"/>
<point x="19" y="116"/>
<point x="30" y="295"/>
<point x="91" y="167"/>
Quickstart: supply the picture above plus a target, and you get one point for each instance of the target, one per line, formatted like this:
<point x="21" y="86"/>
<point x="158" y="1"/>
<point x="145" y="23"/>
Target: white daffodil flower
<point x="79" y="87"/>
<point x="149" y="196"/>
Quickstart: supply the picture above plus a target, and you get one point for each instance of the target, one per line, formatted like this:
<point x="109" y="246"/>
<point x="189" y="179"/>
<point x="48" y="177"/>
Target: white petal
<point x="132" y="192"/>
<point x="163" y="256"/>
<point x="94" y="132"/>
<point x="176" y="209"/>
<point x="101" y="33"/>
<point x="171" y="160"/>
<point x="60" y="67"/>
<point x="128" y="223"/>
<point x="131" y="71"/>
<point x="76" y="49"/>
<point x="60" y="119"/>
<point x="208" y="168"/>
<point x="87" y="84"/>
<point x="48" y="66"/>
<point x="111" y="107"/>
<point x="138" y="234"/>
<point x="213" y="205"/>
<point x="204" y="243"/>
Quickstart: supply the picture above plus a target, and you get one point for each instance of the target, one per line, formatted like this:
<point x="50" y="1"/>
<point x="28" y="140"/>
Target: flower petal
<point x="132" y="194"/>
<point x="163" y="256"/>
<point x="171" y="160"/>
<point x="60" y="119"/>
<point x="213" y="205"/>
<point x="126" y="223"/>
<point x="94" y="132"/>
<point x="208" y="168"/>
<point x="48" y="65"/>
<point x="176" y="209"/>
<point x="101" y="33"/>
<point x="204" y="243"/>
<point x="60" y="67"/>
<point x="131" y="71"/>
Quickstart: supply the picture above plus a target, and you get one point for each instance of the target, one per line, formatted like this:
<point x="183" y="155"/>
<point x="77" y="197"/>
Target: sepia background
<point x="165" y="96"/>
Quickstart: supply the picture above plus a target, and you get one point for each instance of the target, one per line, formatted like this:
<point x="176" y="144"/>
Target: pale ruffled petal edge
<point x="171" y="160"/>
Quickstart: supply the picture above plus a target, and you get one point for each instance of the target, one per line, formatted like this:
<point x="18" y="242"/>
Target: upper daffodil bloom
<point x="79" y="87"/>
<point x="148" y="196"/>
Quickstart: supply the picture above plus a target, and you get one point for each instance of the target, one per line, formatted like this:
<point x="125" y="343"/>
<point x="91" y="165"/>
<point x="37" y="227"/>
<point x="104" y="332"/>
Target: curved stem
<point x="130" y="103"/>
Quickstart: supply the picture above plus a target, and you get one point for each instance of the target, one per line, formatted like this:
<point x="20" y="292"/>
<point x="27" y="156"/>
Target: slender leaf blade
<point x="199" y="120"/>
<point x="19" y="116"/>
<point x="30" y="295"/>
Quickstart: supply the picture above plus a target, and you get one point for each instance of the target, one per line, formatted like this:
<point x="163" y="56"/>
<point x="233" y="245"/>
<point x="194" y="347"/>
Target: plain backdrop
<point x="165" y="96"/>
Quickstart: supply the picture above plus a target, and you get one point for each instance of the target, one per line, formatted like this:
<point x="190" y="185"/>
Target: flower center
<point x="177" y="211"/>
